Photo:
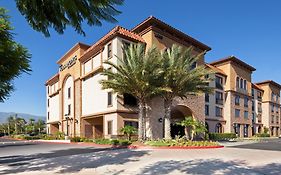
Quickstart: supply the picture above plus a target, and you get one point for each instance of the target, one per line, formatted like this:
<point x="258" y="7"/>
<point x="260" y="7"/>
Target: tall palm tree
<point x="180" y="79"/>
<point x="135" y="73"/>
<point x="40" y="125"/>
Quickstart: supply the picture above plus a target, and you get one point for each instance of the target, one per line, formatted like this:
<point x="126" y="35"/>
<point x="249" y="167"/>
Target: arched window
<point x="218" y="128"/>
<point x="241" y="83"/>
<point x="245" y="84"/>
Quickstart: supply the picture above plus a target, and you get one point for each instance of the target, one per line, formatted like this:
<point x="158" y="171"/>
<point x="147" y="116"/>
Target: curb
<point x="175" y="147"/>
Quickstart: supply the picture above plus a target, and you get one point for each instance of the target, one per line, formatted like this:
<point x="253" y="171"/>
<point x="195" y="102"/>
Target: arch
<point x="219" y="128"/>
<point x="178" y="113"/>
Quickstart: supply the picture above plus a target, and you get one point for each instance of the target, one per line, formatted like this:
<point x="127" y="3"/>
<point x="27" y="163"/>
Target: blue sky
<point x="250" y="30"/>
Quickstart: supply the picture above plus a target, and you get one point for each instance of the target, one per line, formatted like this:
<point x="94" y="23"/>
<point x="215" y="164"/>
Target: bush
<point x="112" y="142"/>
<point x="103" y="141"/>
<point x="222" y="136"/>
<point x="263" y="135"/>
<point x="76" y="139"/>
<point x="180" y="142"/>
<point x="124" y="142"/>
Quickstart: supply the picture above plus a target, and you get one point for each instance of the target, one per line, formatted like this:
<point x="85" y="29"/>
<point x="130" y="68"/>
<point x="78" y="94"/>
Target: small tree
<point x="128" y="131"/>
<point x="265" y="130"/>
<point x="199" y="128"/>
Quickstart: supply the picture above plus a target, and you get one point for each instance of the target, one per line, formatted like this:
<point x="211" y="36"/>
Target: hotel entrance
<point x="93" y="127"/>
<point x="178" y="113"/>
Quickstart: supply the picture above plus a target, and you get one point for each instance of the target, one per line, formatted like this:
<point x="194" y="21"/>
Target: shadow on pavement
<point x="69" y="160"/>
<point x="208" y="166"/>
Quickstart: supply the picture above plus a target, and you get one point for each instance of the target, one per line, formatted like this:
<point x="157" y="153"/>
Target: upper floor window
<point x="237" y="100"/>
<point x="69" y="92"/>
<point x="109" y="98"/>
<point x="272" y="119"/>
<point x="246" y="101"/>
<point x="48" y="115"/>
<point x="259" y="107"/>
<point x="246" y="114"/>
<point x="272" y="107"/>
<point x="206" y="109"/>
<point x="219" y="98"/>
<point x="259" y="95"/>
<point x="218" y="111"/>
<point x="245" y="84"/>
<point x="207" y="97"/>
<point x="125" y="46"/>
<point x="219" y="82"/>
<point x="48" y="101"/>
<point x="253" y="92"/>
<point x="272" y="96"/>
<point x="237" y="82"/>
<point x="109" y="50"/>
<point x="237" y="112"/>
<point x="69" y="109"/>
<point x="241" y="83"/>
<point x="253" y="105"/>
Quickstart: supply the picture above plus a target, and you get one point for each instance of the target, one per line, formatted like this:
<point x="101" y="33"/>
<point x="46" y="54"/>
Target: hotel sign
<point x="69" y="64"/>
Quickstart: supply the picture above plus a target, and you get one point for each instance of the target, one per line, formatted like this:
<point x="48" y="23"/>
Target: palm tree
<point x="189" y="124"/>
<point x="180" y="79"/>
<point x="136" y="73"/>
<point x="40" y="124"/>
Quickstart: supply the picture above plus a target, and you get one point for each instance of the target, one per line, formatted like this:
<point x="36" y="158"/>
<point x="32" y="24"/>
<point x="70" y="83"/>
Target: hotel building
<point x="78" y="106"/>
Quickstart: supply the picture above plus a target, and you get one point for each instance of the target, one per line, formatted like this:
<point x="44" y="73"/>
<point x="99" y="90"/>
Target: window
<point x="109" y="50"/>
<point x="237" y="82"/>
<point x="237" y="112"/>
<point x="259" y="95"/>
<point x="110" y="70"/>
<point x="109" y="127"/>
<point x="69" y="109"/>
<point x="253" y="105"/>
<point x="129" y="100"/>
<point x="131" y="123"/>
<point x="206" y="109"/>
<point x="246" y="101"/>
<point x="272" y="107"/>
<point x="125" y="46"/>
<point x="245" y="84"/>
<point x="109" y="98"/>
<point x="48" y="115"/>
<point x="241" y="83"/>
<point x="272" y="119"/>
<point x="69" y="92"/>
<point x="48" y="102"/>
<point x="277" y="119"/>
<point x="246" y="114"/>
<point x="219" y="82"/>
<point x="193" y="66"/>
<point x="253" y="118"/>
<point x="219" y="98"/>
<point x="246" y="130"/>
<point x="253" y="92"/>
<point x="259" y="107"/>
<point x="218" y="111"/>
<point x="237" y="100"/>
<point x="218" y="128"/>
<point x="207" y="97"/>
<point x="272" y="96"/>
<point x="48" y="89"/>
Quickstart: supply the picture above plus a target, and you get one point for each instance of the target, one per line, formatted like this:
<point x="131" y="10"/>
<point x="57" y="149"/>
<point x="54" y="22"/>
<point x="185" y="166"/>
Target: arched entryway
<point x="219" y="128"/>
<point x="178" y="113"/>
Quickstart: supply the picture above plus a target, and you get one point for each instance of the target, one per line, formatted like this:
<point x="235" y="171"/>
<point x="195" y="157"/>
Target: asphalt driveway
<point x="270" y="144"/>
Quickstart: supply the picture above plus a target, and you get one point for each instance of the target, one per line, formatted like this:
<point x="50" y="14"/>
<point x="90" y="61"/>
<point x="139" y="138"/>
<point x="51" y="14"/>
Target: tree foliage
<point x="14" y="60"/>
<point x="192" y="127"/>
<point x="58" y="14"/>
<point x="128" y="131"/>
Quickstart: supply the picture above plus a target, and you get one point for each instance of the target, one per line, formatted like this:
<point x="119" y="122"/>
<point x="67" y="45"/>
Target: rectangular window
<point x="237" y="112"/>
<point x="69" y="92"/>
<point x="272" y="119"/>
<point x="246" y="101"/>
<point x="241" y="83"/>
<point x="272" y="107"/>
<point x="253" y="92"/>
<point x="206" y="97"/>
<point x="253" y="118"/>
<point x="48" y="102"/>
<point x="109" y="50"/>
<point x="218" y="111"/>
<point x="259" y="95"/>
<point x="69" y="109"/>
<point x="259" y="108"/>
<point x="206" y="109"/>
<point x="109" y="98"/>
<point x="237" y="82"/>
<point x="109" y="127"/>
<point x="219" y="98"/>
<point x="245" y="84"/>
<point x="131" y="123"/>
<point x="246" y="114"/>
<point x="272" y="96"/>
<point x="253" y="105"/>
<point x="48" y="115"/>
<point x="219" y="83"/>
<point x="237" y="100"/>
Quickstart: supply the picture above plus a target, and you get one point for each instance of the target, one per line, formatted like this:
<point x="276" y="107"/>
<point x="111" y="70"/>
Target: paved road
<point x="271" y="145"/>
<point x="43" y="158"/>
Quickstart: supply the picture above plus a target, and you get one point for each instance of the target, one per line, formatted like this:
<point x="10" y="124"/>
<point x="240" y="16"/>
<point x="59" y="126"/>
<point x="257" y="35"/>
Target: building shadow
<point x="69" y="160"/>
<point x="209" y="166"/>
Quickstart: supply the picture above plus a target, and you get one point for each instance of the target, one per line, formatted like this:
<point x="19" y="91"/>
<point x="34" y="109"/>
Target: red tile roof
<point x="233" y="59"/>
<point x="269" y="82"/>
<point x="153" y="20"/>
<point x="217" y="70"/>
<point x="255" y="86"/>
<point x="116" y="31"/>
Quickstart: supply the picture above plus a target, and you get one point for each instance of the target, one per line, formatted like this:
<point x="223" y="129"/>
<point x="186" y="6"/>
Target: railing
<point x="219" y="101"/>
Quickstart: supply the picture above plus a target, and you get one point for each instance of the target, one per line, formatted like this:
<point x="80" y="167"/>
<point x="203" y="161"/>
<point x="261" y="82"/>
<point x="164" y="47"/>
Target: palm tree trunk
<point x="142" y="111"/>
<point x="186" y="132"/>
<point x="167" y="119"/>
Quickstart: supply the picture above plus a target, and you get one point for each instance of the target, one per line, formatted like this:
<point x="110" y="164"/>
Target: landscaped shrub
<point x="112" y="142"/>
<point x="75" y="139"/>
<point x="103" y="141"/>
<point x="263" y="135"/>
<point x="124" y="142"/>
<point x="180" y="142"/>
<point x="222" y="136"/>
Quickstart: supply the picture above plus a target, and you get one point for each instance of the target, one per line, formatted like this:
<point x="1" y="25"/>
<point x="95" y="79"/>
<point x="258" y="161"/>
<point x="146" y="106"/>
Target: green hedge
<point x="180" y="142"/>
<point x="262" y="135"/>
<point x="222" y="136"/>
<point x="112" y="142"/>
